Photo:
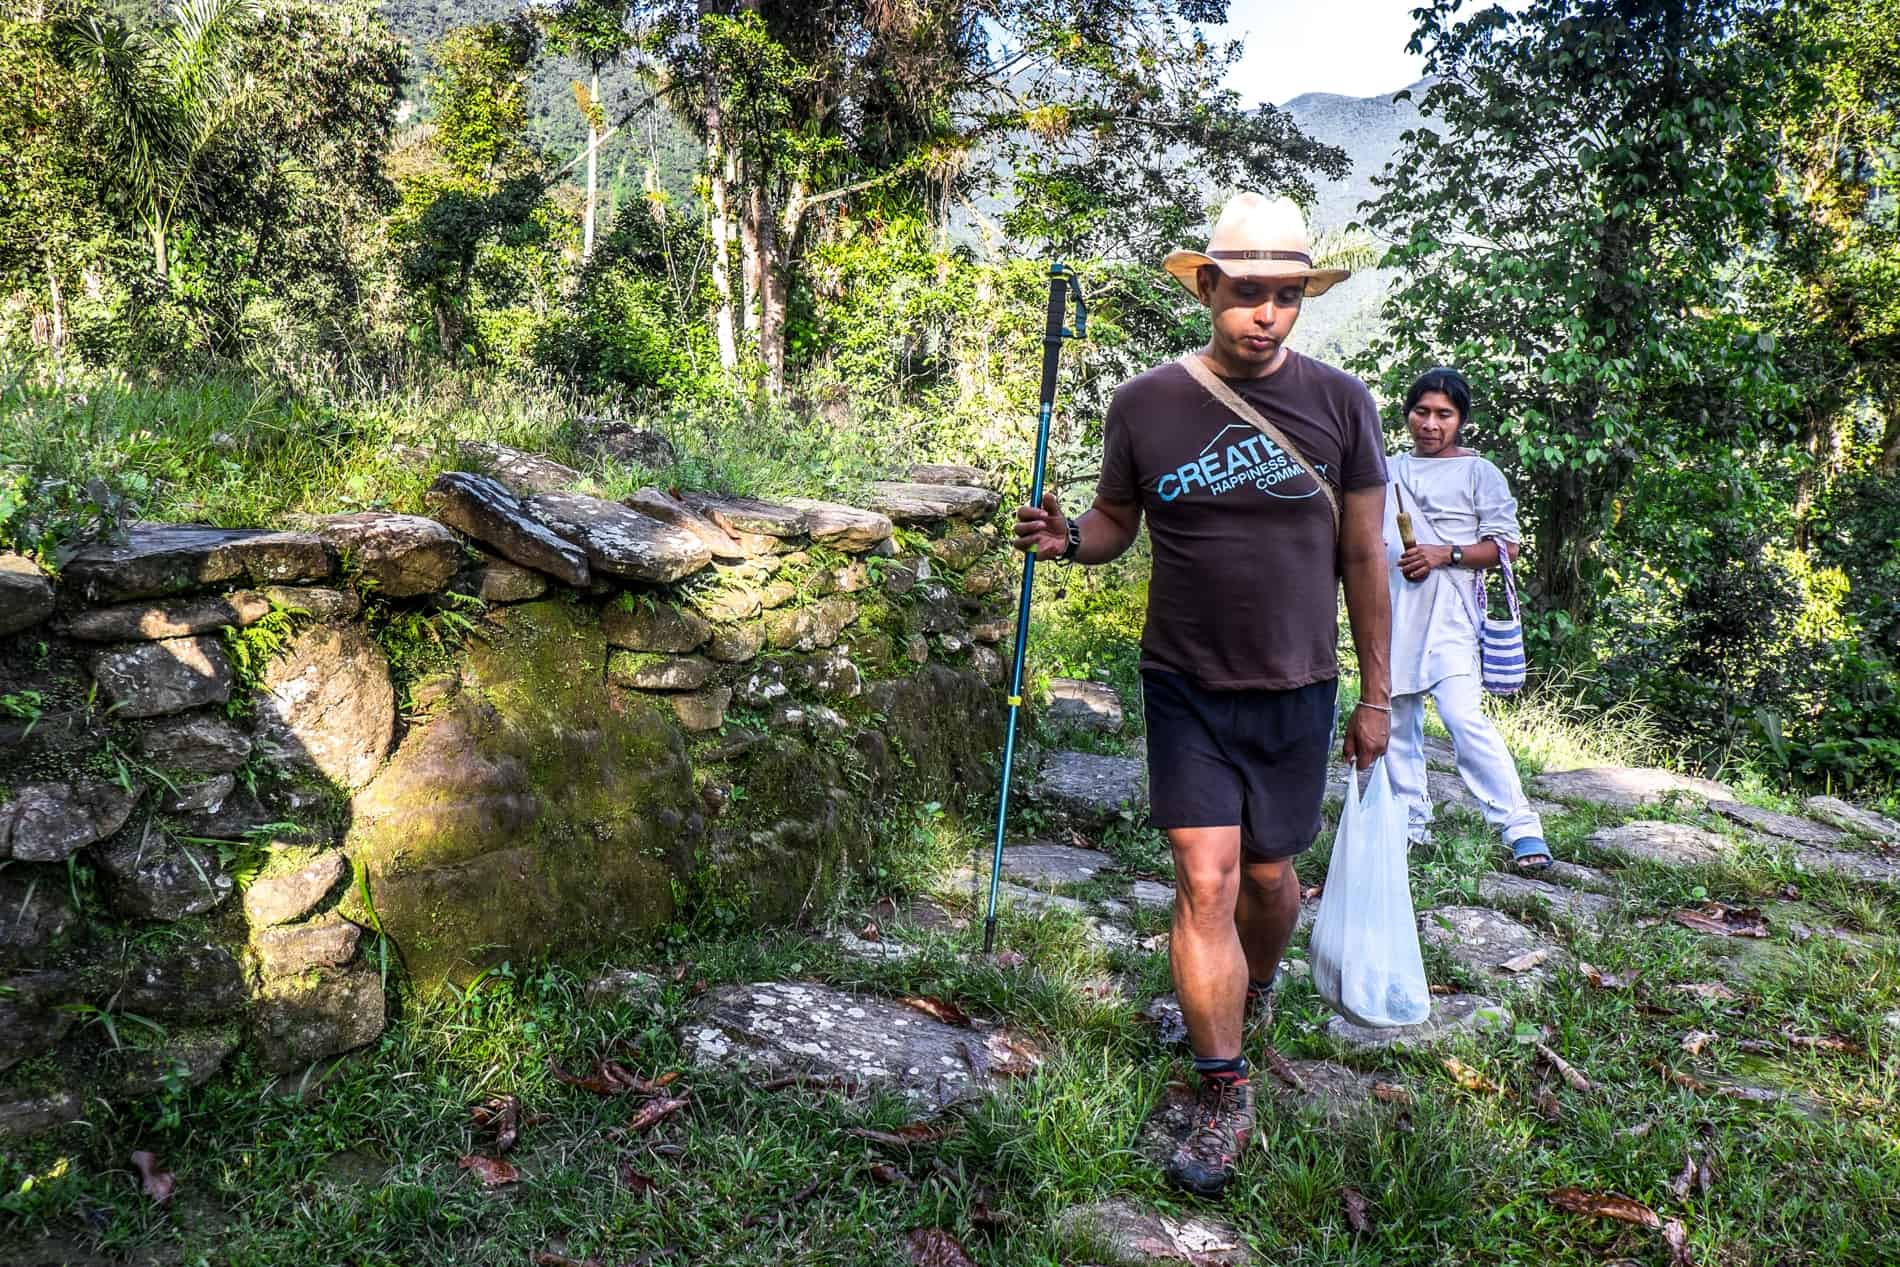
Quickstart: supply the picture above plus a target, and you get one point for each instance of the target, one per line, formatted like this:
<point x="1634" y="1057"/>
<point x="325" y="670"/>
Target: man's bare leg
<point x="1268" y="910"/>
<point x="1204" y="949"/>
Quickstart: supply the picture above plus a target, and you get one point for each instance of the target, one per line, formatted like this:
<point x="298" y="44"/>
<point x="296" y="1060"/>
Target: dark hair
<point x="1442" y="378"/>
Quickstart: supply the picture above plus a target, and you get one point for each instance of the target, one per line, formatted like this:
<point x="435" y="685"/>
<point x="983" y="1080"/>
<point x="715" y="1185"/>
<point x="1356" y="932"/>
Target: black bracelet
<point x="1075" y="542"/>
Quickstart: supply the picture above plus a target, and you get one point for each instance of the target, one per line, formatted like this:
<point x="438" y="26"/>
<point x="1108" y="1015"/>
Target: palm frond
<point x="146" y="130"/>
<point x="1344" y="248"/>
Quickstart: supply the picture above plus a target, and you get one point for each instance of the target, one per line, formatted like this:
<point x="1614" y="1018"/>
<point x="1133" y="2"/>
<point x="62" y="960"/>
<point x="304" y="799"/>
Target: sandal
<point x="1530" y="853"/>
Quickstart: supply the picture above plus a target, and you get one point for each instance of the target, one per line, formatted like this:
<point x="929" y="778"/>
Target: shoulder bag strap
<point x="1226" y="395"/>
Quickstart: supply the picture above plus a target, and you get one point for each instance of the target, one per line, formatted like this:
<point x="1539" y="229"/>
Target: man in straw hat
<point x="1262" y="476"/>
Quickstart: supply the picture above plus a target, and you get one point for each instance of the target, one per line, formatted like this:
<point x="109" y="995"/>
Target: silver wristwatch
<point x="1457" y="556"/>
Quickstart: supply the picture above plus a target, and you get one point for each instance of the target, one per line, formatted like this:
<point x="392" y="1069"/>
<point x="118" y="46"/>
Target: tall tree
<point x="171" y="96"/>
<point x="1112" y="108"/>
<point x="596" y="31"/>
<point x="1568" y="217"/>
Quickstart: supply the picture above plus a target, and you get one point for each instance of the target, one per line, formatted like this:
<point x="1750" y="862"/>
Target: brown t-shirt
<point x="1243" y="592"/>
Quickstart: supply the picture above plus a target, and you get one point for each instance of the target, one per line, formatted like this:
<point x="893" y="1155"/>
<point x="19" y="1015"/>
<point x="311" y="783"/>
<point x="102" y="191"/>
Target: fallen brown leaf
<point x="870" y="931"/>
<point x="1009" y="959"/>
<point x="1311" y="892"/>
<point x="1790" y="893"/>
<point x="1686" y="1179"/>
<point x="501" y="1114"/>
<point x="909" y="1135"/>
<point x="1390" y="1094"/>
<point x="1823" y="1042"/>
<point x="492" y="1171"/>
<point x="989" y="1219"/>
<point x="945" y="1011"/>
<point x="885" y="1173"/>
<point x="1607" y="980"/>
<point x="1284" y="1071"/>
<point x="1010" y="1056"/>
<point x="1526" y="961"/>
<point x="1676" y="1237"/>
<point x="679" y="972"/>
<point x="1695" y="1040"/>
<point x="1752" y="1095"/>
<point x="1605" y="1205"/>
<point x="1470" y="1079"/>
<point x="1547" y="1105"/>
<point x="155" y="1183"/>
<point x="642" y="1185"/>
<point x="1355" y="1210"/>
<point x="600" y="1082"/>
<point x="1564" y="1068"/>
<point x="655" y="1111"/>
<point x="1682" y="1079"/>
<point x="934" y="1247"/>
<point x="1711" y="991"/>
<point x="1722" y="920"/>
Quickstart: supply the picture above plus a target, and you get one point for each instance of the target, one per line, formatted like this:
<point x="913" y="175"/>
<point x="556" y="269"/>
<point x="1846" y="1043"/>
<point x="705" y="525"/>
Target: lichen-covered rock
<point x="776" y="594"/>
<point x="185" y="1058"/>
<point x="1786" y="826"/>
<point x="957" y="550"/>
<point x="930" y="503"/>
<point x="602" y="437"/>
<point x="202" y="743"/>
<point x="1491" y="945"/>
<point x="1131" y="1236"/>
<point x="933" y="610"/>
<point x="171" y="618"/>
<point x="1620" y="787"/>
<point x="1666" y="844"/>
<point x="736" y="644"/>
<point x="727" y="602"/>
<point x="327" y="705"/>
<point x="157" y="678"/>
<point x="400" y="555"/>
<point x="995" y="576"/>
<point x="1044" y="865"/>
<point x="499" y="581"/>
<point x="522" y="473"/>
<point x="49" y="822"/>
<point x="903" y="575"/>
<point x="1862" y="822"/>
<point x="655" y="626"/>
<point x="668" y="509"/>
<point x="829" y="673"/>
<point x="1453" y="1016"/>
<point x="659" y="672"/>
<point x="29" y="1025"/>
<point x="278" y="899"/>
<point x="206" y="796"/>
<point x="315" y="601"/>
<point x="619" y="540"/>
<point x="487" y="511"/>
<point x="1587" y="909"/>
<point x="811" y="627"/>
<point x="159" y="559"/>
<point x="293" y="948"/>
<point x="764" y="685"/>
<point x="307" y="1017"/>
<point x="843" y="527"/>
<point x="26" y="596"/>
<point x="539" y="809"/>
<point x="194" y="982"/>
<point x="1083" y="705"/>
<point x="702" y="710"/>
<point x="149" y="875"/>
<point x="24" y="1113"/>
<point x="851" y="578"/>
<point x="950" y="473"/>
<point x="35" y="912"/>
<point x="1088" y="790"/>
<point x="741" y="516"/>
<point x="870" y="1041"/>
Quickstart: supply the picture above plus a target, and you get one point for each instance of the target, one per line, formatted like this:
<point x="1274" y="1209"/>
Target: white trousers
<point x="1483" y="761"/>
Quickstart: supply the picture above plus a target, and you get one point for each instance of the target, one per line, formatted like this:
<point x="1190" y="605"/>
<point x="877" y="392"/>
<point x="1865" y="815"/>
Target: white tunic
<point x="1452" y="501"/>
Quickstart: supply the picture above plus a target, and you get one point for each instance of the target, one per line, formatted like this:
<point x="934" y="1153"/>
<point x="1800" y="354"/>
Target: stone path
<point x="1513" y="942"/>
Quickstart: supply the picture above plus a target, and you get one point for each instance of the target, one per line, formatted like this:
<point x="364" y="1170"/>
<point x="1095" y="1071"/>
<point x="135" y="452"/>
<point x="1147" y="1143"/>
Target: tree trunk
<point x="751" y="225"/>
<point x="772" y="299"/>
<point x="593" y="155"/>
<point x="58" y="340"/>
<point x="160" y="260"/>
<point x="723" y="326"/>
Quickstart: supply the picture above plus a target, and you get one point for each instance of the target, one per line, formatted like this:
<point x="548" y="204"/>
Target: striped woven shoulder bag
<point x="1500" y="642"/>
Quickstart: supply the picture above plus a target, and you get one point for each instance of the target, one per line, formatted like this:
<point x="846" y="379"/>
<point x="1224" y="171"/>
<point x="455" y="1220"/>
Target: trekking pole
<point x="1063" y="286"/>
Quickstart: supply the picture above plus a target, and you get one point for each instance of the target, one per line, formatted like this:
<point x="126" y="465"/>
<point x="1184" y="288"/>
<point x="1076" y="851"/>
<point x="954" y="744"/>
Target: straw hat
<point x="1256" y="236"/>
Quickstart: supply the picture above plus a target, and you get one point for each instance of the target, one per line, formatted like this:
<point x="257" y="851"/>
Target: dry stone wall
<point x="233" y="762"/>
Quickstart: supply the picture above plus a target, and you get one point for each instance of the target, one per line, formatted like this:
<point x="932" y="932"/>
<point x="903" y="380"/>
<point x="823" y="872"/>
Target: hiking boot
<point x="1209" y="1148"/>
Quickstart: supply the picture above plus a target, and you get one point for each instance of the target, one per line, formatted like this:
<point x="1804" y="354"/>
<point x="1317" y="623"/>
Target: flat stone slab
<point x="488" y="511"/>
<point x="1855" y="865"/>
<point x="1101" y="926"/>
<point x="1084" y="705"/>
<point x="1453" y="1016"/>
<point x="950" y="473"/>
<point x="327" y="704"/>
<point x="26" y="596"/>
<point x="153" y="679"/>
<point x="524" y="473"/>
<point x="1578" y="877"/>
<point x="1862" y="822"/>
<point x="864" y="950"/>
<point x="1440" y="754"/>
<point x="1089" y="790"/>
<point x="1666" y="844"/>
<point x="175" y="618"/>
<point x="1152" y="895"/>
<point x="620" y="541"/>
<point x="749" y="515"/>
<point x="909" y="503"/>
<point x="1786" y="826"/>
<point x="159" y="559"/>
<point x="400" y="555"/>
<point x="798" y="1026"/>
<point x="49" y="822"/>
<point x="668" y="509"/>
<point x="1587" y="909"/>
<point x="1052" y="866"/>
<point x="1486" y="942"/>
<point x="278" y="899"/>
<point x="843" y="527"/>
<point x="1626" y="787"/>
<point x="1132" y="1236"/>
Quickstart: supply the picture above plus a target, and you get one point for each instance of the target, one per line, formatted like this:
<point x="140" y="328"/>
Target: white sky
<point x="1355" y="48"/>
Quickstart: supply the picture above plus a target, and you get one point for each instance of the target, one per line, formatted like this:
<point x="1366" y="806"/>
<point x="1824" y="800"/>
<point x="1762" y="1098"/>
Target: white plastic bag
<point x="1364" y="947"/>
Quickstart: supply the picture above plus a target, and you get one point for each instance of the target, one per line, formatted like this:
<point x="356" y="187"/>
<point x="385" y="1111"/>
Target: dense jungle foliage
<point x="248" y="247"/>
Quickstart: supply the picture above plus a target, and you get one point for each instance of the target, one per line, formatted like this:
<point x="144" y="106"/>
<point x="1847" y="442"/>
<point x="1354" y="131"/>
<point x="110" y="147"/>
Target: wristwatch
<point x="1457" y="556"/>
<point x="1075" y="542"/>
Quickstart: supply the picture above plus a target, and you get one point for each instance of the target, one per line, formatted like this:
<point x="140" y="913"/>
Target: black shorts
<point x="1253" y="758"/>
